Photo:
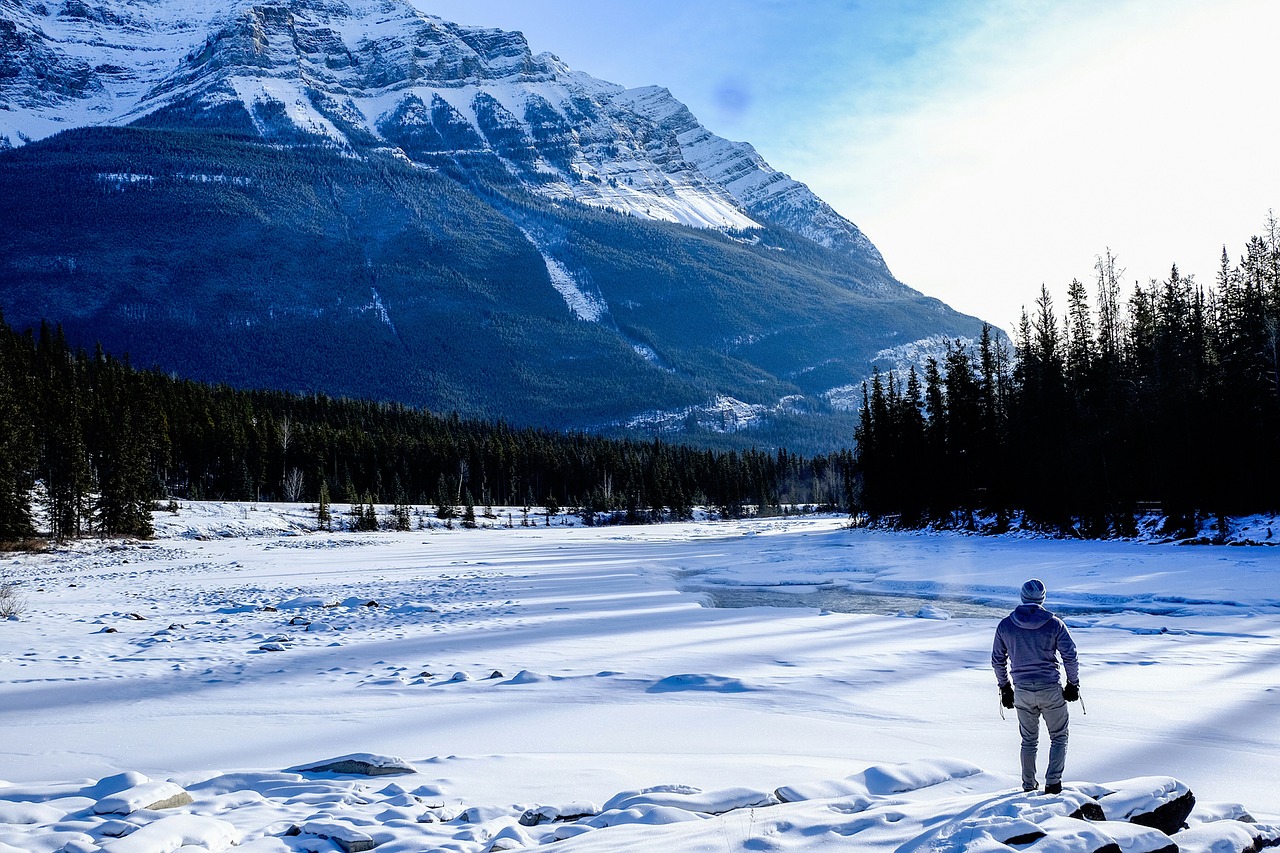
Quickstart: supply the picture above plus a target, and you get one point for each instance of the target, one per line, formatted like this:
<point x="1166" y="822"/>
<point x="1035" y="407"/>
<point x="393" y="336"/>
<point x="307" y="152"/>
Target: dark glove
<point x="1071" y="692"/>
<point x="1006" y="695"/>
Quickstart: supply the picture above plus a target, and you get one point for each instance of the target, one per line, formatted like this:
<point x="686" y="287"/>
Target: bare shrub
<point x="12" y="601"/>
<point x="29" y="546"/>
<point x="293" y="485"/>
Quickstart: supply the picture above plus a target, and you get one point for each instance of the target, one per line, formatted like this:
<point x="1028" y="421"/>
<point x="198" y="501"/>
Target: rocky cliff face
<point x="370" y="73"/>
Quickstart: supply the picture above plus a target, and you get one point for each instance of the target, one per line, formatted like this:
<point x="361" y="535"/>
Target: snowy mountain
<point x="393" y="140"/>
<point x="381" y="70"/>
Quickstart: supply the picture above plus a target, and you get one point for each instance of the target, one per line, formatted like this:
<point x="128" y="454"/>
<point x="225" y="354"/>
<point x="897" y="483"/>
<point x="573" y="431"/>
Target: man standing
<point x="1032" y="639"/>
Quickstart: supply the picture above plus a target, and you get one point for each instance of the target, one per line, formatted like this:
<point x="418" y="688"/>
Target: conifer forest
<point x="1165" y="399"/>
<point x="88" y="444"/>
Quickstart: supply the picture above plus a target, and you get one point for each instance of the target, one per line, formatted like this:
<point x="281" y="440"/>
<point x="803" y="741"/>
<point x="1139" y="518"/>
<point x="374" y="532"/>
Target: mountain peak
<point x="380" y="73"/>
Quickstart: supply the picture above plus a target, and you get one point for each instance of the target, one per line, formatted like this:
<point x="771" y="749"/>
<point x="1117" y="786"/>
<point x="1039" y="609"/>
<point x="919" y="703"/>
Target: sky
<point x="987" y="147"/>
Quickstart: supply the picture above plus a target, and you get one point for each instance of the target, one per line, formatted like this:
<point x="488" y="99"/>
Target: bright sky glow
<point x="985" y="146"/>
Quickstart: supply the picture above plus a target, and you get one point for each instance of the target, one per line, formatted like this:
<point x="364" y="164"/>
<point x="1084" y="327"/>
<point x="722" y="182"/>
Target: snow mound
<point x="524" y="676"/>
<point x="912" y="776"/>
<point x="410" y="608"/>
<point x="692" y="799"/>
<point x="881" y="780"/>
<point x="109" y="785"/>
<point x="643" y="815"/>
<point x="28" y="813"/>
<point x="175" y="832"/>
<point x="305" y="602"/>
<point x="711" y="683"/>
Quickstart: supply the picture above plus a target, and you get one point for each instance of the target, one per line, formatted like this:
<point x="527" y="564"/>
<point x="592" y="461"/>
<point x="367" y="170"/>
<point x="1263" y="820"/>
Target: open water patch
<point x="841" y="599"/>
<point x="936" y="601"/>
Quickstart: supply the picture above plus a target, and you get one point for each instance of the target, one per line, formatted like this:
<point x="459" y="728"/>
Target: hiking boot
<point x="1053" y="788"/>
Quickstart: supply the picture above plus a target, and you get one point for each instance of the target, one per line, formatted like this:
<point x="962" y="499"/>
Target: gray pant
<point x="1033" y="702"/>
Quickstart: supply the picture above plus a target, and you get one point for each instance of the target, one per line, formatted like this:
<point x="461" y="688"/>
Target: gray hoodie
<point x="1033" y="638"/>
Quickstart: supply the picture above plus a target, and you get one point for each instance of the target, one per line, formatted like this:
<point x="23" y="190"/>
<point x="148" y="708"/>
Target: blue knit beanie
<point x="1033" y="591"/>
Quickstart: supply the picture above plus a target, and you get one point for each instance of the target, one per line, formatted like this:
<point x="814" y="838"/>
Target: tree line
<point x="1167" y="400"/>
<point x="88" y="444"/>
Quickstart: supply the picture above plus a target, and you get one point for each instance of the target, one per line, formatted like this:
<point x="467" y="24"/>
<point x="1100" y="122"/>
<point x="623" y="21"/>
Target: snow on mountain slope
<point x="69" y="64"/>
<point x="755" y="184"/>
<point x="584" y="305"/>
<point x="380" y="72"/>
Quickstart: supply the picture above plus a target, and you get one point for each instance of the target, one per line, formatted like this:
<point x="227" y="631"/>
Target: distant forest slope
<point x="96" y="442"/>
<point x="227" y="259"/>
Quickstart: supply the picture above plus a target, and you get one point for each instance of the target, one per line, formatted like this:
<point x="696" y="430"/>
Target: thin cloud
<point x="986" y="146"/>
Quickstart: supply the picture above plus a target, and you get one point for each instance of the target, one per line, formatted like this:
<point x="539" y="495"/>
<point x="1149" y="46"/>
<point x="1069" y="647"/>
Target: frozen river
<point x="553" y="665"/>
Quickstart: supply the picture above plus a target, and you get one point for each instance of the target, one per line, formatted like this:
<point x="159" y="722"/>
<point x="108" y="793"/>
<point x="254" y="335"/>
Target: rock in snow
<point x="1227" y="836"/>
<point x="149" y="795"/>
<point x="348" y="838"/>
<point x="1160" y="802"/>
<point x="359" y="764"/>
<point x="548" y="814"/>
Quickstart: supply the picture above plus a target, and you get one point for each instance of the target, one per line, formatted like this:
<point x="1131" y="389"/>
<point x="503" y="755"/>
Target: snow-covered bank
<point x="1152" y="527"/>
<point x="940" y="806"/>
<point x="528" y="667"/>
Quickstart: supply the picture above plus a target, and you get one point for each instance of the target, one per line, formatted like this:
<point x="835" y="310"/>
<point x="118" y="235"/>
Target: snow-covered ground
<point x="527" y="685"/>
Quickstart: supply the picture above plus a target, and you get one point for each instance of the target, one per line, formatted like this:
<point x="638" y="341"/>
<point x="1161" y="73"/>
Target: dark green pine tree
<point x="966" y="478"/>
<point x="64" y="454"/>
<point x="934" y="462"/>
<point x="324" y="516"/>
<point x="1042" y="401"/>
<point x="400" y="516"/>
<point x="17" y="440"/>
<point x="122" y="438"/>
<point x="913" y="470"/>
<point x="445" y="510"/>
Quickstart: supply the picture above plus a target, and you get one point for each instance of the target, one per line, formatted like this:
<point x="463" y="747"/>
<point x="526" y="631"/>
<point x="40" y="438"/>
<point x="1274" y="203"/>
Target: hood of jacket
<point x="1030" y="616"/>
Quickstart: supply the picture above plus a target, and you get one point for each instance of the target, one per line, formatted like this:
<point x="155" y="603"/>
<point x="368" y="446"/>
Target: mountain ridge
<point x="254" y="197"/>
<point x="386" y="54"/>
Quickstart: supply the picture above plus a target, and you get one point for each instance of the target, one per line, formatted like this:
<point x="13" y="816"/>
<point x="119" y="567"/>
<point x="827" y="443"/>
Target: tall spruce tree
<point x="64" y="454"/>
<point x="17" y="441"/>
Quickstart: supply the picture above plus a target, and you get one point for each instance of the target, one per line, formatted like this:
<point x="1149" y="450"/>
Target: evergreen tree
<point x="64" y="454"/>
<point x="400" y="517"/>
<point x="17" y="443"/>
<point x="445" y="509"/>
<point x="123" y="437"/>
<point x="324" y="517"/>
